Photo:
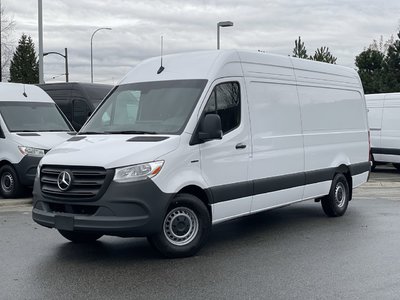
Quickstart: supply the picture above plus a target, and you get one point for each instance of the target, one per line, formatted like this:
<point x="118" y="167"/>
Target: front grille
<point x="87" y="183"/>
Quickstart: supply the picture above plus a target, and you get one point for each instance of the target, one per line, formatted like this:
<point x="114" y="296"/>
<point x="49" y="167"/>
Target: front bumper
<point x="125" y="209"/>
<point x="26" y="169"/>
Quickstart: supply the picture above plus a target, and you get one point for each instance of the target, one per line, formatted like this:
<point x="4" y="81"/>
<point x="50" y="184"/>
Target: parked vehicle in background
<point x="207" y="137"/>
<point x="384" y="123"/>
<point x="77" y="100"/>
<point x="30" y="125"/>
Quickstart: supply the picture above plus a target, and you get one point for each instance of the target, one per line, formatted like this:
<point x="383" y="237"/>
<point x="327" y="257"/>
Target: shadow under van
<point x="76" y="100"/>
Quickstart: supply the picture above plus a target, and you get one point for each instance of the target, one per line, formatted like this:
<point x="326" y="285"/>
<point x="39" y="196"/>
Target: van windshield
<point x="148" y="107"/>
<point x="32" y="117"/>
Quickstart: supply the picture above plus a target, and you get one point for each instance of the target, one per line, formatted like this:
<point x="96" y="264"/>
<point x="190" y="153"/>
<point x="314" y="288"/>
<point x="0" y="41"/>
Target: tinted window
<point x="225" y="101"/>
<point x="32" y="116"/>
<point x="65" y="106"/>
<point x="158" y="107"/>
<point x="81" y="113"/>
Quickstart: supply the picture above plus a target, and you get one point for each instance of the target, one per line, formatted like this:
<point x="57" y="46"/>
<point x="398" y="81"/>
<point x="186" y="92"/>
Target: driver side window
<point x="225" y="101"/>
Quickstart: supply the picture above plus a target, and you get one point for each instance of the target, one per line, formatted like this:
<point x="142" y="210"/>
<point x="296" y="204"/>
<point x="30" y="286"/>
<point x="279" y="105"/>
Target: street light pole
<point x="66" y="61"/>
<point x="40" y="29"/>
<point x="91" y="50"/>
<point x="222" y="24"/>
<point x="66" y="65"/>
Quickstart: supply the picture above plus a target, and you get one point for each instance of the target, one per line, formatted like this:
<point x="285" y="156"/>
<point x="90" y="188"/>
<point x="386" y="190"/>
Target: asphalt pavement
<point x="289" y="253"/>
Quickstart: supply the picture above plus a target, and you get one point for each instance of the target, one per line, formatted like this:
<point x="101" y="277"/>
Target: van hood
<point x="40" y="140"/>
<point x="111" y="151"/>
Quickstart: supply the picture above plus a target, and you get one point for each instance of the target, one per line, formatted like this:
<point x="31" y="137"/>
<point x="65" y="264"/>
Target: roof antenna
<point x="161" y="67"/>
<point x="24" y="94"/>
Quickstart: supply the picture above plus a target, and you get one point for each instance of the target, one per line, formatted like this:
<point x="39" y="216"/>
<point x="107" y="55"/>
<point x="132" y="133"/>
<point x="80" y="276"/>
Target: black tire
<point x="186" y="227"/>
<point x="80" y="237"/>
<point x="10" y="187"/>
<point x="336" y="202"/>
<point x="397" y="166"/>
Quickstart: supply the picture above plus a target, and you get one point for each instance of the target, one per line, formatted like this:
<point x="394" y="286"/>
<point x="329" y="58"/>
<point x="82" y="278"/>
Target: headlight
<point x="31" y="151"/>
<point x="138" y="172"/>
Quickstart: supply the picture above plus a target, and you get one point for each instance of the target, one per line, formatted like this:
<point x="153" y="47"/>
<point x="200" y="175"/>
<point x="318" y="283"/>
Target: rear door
<point x="390" y="134"/>
<point x="375" y="112"/>
<point x="224" y="163"/>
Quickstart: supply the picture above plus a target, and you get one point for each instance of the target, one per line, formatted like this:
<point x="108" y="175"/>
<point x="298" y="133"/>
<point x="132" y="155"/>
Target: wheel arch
<point x="204" y="195"/>
<point x="4" y="162"/>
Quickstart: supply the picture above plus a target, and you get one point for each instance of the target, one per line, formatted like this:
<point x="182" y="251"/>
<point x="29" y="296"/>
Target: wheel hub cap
<point x="340" y="195"/>
<point x="181" y="226"/>
<point x="7" y="182"/>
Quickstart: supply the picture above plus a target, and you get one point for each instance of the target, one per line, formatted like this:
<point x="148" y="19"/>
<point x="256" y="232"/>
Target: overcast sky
<point x="345" y="26"/>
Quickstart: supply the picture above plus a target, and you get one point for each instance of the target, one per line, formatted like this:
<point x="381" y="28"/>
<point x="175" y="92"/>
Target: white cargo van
<point x="384" y="122"/>
<point x="30" y="124"/>
<point x="204" y="138"/>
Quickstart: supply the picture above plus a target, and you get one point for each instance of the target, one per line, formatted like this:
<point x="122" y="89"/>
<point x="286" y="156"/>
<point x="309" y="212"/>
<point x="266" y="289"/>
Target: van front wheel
<point x="10" y="186"/>
<point x="336" y="202"/>
<point x="185" y="227"/>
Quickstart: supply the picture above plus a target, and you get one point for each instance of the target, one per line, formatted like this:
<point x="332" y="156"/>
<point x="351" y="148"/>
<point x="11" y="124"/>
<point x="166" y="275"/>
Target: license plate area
<point x="63" y="222"/>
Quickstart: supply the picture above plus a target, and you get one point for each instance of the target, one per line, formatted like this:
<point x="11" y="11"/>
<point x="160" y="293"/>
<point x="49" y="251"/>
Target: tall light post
<point x="222" y="24"/>
<point x="66" y="61"/>
<point x="40" y="32"/>
<point x="91" y="50"/>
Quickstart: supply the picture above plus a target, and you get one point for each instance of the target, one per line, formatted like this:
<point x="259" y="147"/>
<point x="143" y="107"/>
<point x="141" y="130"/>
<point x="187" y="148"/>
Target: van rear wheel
<point x="10" y="186"/>
<point x="185" y="228"/>
<point x="80" y="237"/>
<point x="336" y="202"/>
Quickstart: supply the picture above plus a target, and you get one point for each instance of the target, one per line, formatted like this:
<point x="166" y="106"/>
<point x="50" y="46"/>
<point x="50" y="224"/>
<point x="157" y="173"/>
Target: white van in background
<point x="204" y="138"/>
<point x="384" y="122"/>
<point x="30" y="125"/>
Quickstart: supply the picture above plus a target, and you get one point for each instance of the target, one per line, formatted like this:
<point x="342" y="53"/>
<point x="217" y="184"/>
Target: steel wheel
<point x="340" y="195"/>
<point x="7" y="182"/>
<point x="184" y="229"/>
<point x="10" y="186"/>
<point x="335" y="203"/>
<point x="181" y="226"/>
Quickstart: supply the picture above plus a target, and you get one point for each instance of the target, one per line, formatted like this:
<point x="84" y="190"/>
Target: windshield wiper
<point x="131" y="132"/>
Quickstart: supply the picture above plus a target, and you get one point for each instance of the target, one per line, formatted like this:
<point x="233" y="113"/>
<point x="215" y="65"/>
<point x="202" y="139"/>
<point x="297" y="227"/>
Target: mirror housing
<point x="211" y="128"/>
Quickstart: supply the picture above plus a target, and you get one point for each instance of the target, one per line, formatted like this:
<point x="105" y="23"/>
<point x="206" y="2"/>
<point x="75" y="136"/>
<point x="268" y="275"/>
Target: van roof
<point x="229" y="63"/>
<point x="22" y="92"/>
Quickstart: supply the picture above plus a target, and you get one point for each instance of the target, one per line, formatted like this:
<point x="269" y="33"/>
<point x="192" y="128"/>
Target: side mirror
<point x="211" y="128"/>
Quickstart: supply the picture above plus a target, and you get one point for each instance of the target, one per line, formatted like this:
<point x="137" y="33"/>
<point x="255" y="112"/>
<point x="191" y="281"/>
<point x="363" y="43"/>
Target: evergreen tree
<point x="299" y="49"/>
<point x="24" y="66"/>
<point x="379" y="66"/>
<point x="323" y="54"/>
<point x="370" y="69"/>
<point x="391" y="67"/>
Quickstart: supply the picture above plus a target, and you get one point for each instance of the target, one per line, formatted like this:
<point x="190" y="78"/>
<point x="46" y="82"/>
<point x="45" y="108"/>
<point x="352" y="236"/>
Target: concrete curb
<point x="15" y="202"/>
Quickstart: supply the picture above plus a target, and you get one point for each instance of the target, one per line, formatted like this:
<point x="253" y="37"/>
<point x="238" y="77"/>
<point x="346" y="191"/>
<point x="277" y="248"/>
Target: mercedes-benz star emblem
<point x="64" y="180"/>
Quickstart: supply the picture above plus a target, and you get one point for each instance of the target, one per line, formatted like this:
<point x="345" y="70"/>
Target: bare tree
<point x="7" y="25"/>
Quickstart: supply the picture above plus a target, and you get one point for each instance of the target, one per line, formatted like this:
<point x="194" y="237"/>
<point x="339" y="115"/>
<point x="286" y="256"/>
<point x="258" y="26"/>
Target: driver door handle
<point x="240" y="146"/>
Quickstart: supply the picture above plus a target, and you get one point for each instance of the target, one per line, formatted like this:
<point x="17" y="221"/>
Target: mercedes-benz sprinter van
<point x="30" y="125"/>
<point x="204" y="138"/>
<point x="384" y="122"/>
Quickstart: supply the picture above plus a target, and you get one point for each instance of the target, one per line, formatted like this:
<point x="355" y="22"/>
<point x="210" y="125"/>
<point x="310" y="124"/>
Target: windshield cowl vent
<point x="147" y="139"/>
